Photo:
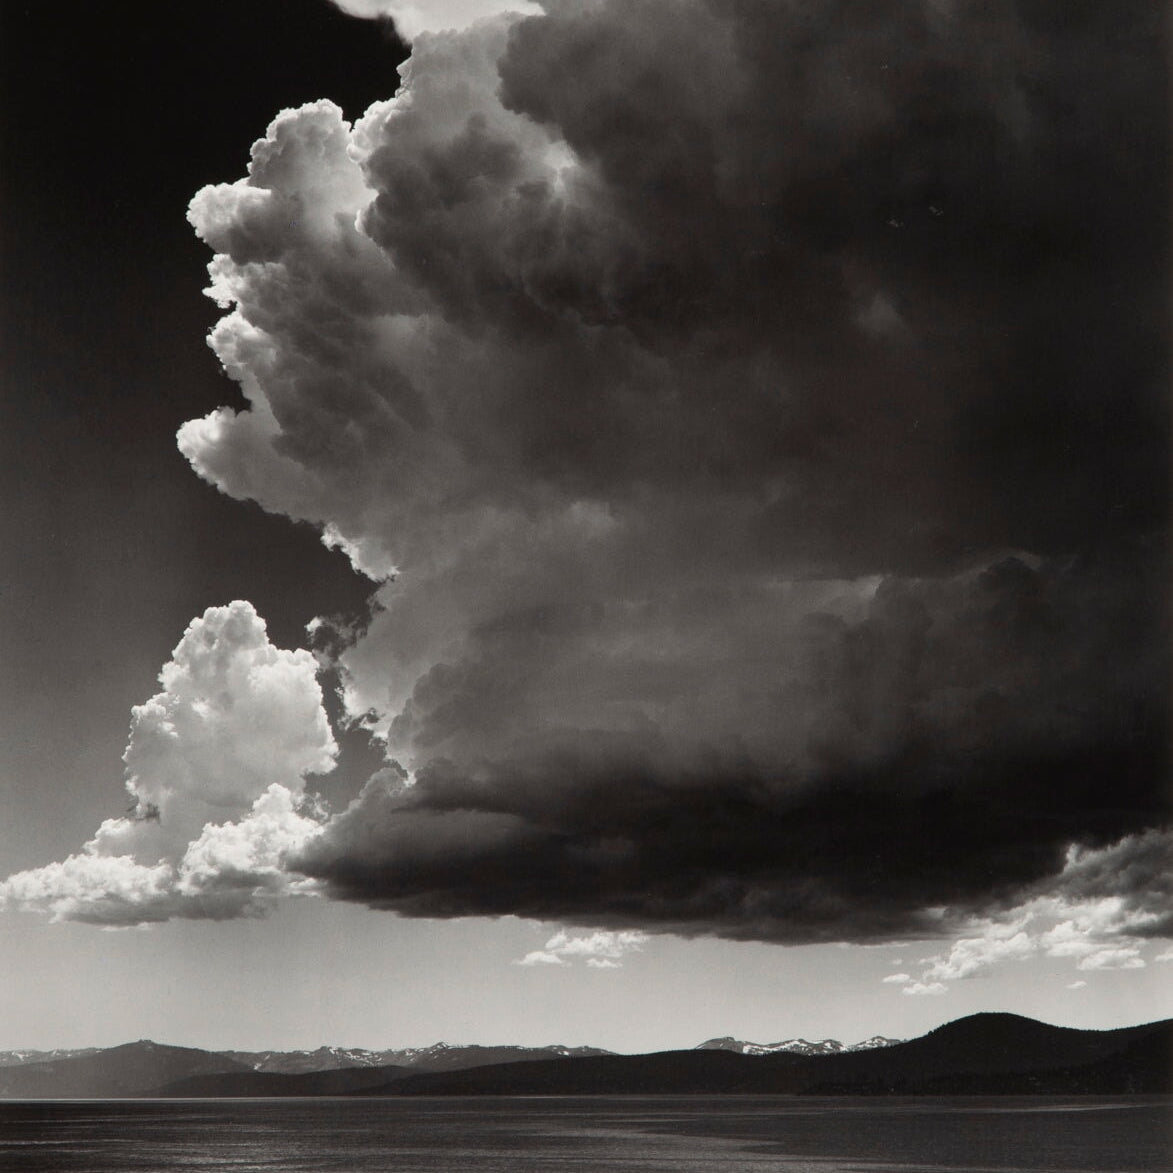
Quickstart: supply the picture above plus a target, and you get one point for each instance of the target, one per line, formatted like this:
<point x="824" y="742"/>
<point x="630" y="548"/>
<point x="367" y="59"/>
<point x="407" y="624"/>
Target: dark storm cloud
<point x="754" y="413"/>
<point x="774" y="530"/>
<point x="982" y="188"/>
<point x="948" y="746"/>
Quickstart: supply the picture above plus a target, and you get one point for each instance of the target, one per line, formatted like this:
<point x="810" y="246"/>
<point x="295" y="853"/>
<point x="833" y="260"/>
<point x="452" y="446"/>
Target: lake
<point x="693" y="1134"/>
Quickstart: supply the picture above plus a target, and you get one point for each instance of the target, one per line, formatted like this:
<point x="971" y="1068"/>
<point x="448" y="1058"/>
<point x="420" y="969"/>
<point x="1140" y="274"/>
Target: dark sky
<point x="112" y="120"/>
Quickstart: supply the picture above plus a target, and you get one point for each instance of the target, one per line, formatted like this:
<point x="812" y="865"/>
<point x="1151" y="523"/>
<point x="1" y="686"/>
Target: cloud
<point x="215" y="769"/>
<point x="1120" y="957"/>
<point x="925" y="989"/>
<point x="1071" y="938"/>
<point x="601" y="950"/>
<point x="972" y="955"/>
<point x="540" y="957"/>
<point x="1077" y="985"/>
<point x="744" y="559"/>
<point x="754" y="419"/>
<point x="1127" y="887"/>
<point x="1098" y="911"/>
<point x="990" y="943"/>
<point x="230" y="870"/>
<point x="1107" y="903"/>
<point x="102" y="889"/>
<point x="421" y="16"/>
<point x="834" y="760"/>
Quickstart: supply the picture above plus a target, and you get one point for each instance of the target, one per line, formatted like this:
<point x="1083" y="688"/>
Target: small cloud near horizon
<point x="600" y="950"/>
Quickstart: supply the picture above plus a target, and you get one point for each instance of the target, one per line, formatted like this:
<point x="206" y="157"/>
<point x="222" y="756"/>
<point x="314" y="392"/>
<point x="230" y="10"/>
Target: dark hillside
<point x="983" y="1054"/>
<point x="665" y="1072"/>
<point x="336" y="1081"/>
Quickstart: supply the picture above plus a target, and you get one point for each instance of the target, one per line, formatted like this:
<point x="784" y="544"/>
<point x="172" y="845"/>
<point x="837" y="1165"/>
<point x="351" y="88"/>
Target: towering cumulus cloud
<point x="215" y="771"/>
<point x="754" y="415"/>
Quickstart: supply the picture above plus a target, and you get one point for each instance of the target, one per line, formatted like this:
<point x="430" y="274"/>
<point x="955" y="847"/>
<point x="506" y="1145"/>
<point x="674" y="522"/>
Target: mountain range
<point x="442" y="1056"/>
<point x="437" y="1057"/>
<point x="979" y="1055"/>
<point x="795" y="1046"/>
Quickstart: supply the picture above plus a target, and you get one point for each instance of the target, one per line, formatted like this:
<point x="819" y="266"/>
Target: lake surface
<point x="599" y="1134"/>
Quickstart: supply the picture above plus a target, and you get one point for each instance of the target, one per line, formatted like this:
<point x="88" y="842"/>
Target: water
<point x="691" y="1134"/>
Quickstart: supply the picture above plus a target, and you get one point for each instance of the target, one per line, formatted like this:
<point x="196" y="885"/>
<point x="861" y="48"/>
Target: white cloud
<point x="601" y="950"/>
<point x="1104" y="933"/>
<point x="215" y="767"/>
<point x="232" y="869"/>
<point x="969" y="956"/>
<point x="1165" y="955"/>
<point x="1096" y="912"/>
<point x="1120" y="957"/>
<point x="540" y="957"/>
<point x="989" y="943"/>
<point x="104" y="889"/>
<point x="249" y="854"/>
<point x="1077" y="985"/>
<point x="918" y="989"/>
<point x="235" y="716"/>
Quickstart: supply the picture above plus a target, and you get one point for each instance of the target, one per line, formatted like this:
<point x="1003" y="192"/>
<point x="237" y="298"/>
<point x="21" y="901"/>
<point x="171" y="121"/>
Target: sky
<point x="592" y="523"/>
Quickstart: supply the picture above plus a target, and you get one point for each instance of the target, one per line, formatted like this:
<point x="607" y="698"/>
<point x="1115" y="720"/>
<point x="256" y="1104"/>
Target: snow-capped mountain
<point x="320" y="1059"/>
<point x="794" y="1046"/>
<point x="873" y="1043"/>
<point x="445" y="1056"/>
<point x="20" y="1058"/>
<point x="437" y="1057"/>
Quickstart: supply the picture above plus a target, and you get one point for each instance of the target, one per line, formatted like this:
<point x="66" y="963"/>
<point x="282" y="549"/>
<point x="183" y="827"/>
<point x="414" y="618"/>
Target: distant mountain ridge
<point x="19" y="1058"/>
<point x="983" y="1054"/>
<point x="795" y="1046"/>
<point x="146" y="1068"/>
<point x="437" y="1057"/>
<point x="129" y="1071"/>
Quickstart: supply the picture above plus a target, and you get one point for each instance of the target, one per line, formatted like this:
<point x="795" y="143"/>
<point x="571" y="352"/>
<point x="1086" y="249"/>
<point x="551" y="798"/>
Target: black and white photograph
<point x="585" y="585"/>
